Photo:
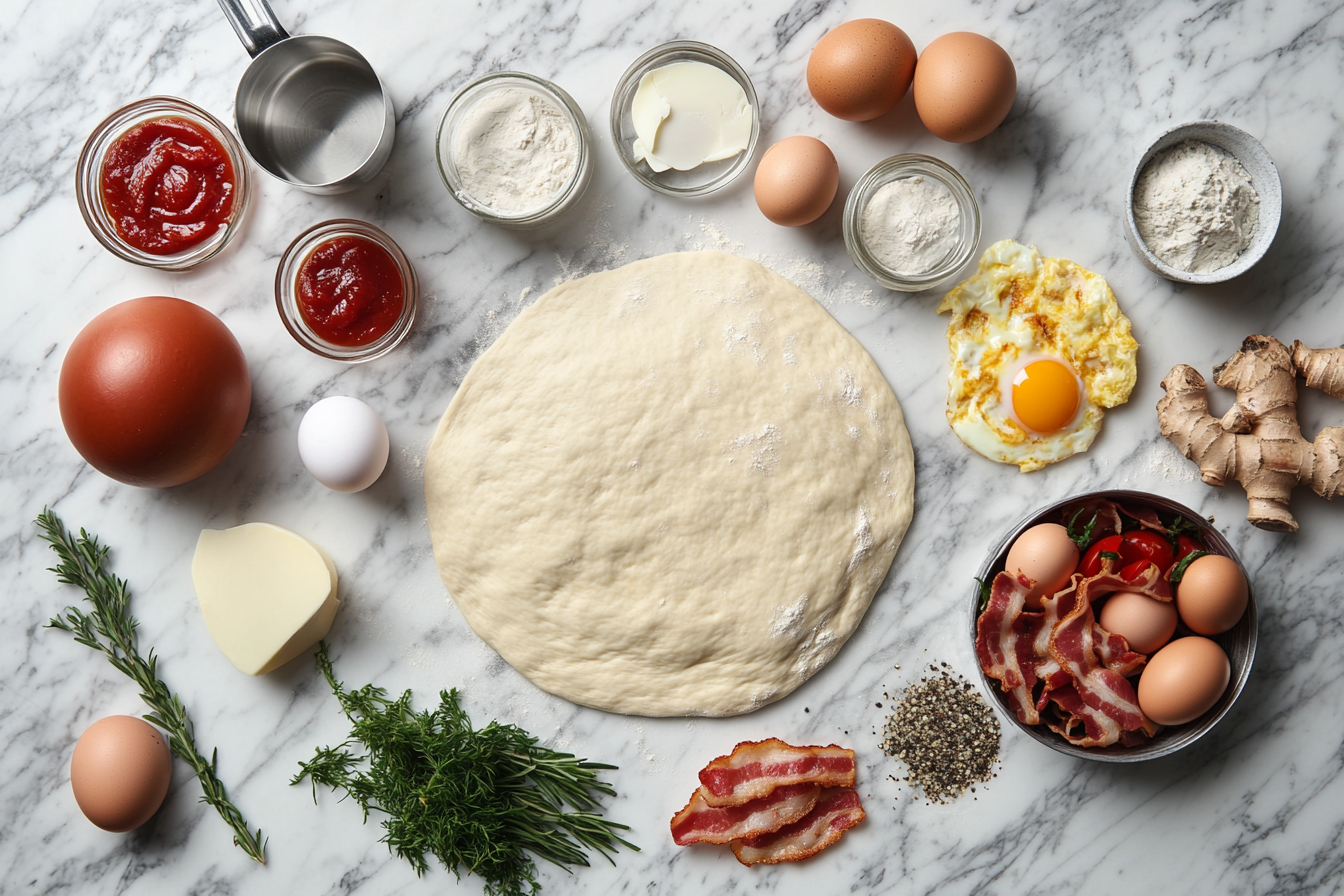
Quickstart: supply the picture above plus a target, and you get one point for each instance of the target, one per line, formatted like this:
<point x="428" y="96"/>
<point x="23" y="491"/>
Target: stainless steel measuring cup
<point x="309" y="109"/>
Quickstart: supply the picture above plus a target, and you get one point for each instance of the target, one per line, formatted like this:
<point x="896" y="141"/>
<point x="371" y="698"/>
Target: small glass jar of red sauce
<point x="346" y="291"/>
<point x="162" y="183"/>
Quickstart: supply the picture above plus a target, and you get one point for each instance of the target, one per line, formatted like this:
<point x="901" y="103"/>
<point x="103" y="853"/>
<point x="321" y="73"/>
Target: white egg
<point x="343" y="443"/>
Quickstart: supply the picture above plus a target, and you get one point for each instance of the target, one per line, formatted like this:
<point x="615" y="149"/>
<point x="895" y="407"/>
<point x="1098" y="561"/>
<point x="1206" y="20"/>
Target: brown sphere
<point x="964" y="86"/>
<point x="796" y="181"/>
<point x="120" y="772"/>
<point x="861" y="69"/>
<point x="154" y="391"/>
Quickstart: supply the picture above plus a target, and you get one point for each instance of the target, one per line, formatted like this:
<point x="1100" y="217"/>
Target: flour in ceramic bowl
<point x="1195" y="207"/>
<point x="514" y="151"/>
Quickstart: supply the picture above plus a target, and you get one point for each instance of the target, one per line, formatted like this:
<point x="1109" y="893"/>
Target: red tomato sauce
<point x="350" y="291"/>
<point x="168" y="185"/>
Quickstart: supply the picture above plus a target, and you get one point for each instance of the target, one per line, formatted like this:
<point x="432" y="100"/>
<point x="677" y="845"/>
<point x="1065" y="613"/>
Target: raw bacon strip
<point x="699" y="823"/>
<point x="1104" y="691"/>
<point x="832" y="816"/>
<point x="1099" y="729"/>
<point x="1004" y="642"/>
<point x="755" y="768"/>
<point x="1107" y="514"/>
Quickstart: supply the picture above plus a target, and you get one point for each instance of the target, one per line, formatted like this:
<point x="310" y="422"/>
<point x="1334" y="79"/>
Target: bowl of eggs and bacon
<point x="1117" y="626"/>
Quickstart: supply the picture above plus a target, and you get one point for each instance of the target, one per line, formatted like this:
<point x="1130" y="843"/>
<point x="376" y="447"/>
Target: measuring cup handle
<point x="256" y="25"/>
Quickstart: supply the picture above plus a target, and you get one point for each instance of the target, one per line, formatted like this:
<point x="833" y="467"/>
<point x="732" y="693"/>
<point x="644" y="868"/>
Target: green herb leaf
<point x="984" y="594"/>
<point x="1083" y="538"/>
<point x="1181" y="526"/>
<point x="1109" y="555"/>
<point x="1178" y="571"/>
<point x="485" y="800"/>
<point x="110" y="628"/>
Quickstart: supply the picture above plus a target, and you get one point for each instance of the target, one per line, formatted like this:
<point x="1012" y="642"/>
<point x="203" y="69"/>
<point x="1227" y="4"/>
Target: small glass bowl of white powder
<point x="911" y="222"/>
<point x="1203" y="204"/>
<point x="514" y="149"/>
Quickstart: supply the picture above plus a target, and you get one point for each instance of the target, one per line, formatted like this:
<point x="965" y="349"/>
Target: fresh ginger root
<point x="1258" y="442"/>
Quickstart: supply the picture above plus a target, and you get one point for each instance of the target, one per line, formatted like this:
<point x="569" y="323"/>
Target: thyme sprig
<point x="485" y="800"/>
<point x="110" y="628"/>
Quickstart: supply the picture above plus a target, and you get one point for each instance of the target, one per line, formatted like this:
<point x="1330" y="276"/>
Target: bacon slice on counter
<point x="756" y="768"/>
<point x="834" y="814"/>
<point x="701" y="823"/>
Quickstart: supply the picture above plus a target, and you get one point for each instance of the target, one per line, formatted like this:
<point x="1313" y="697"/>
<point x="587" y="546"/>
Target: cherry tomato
<point x="1135" y="569"/>
<point x="1185" y="546"/>
<point x="1091" y="564"/>
<point x="1143" y="545"/>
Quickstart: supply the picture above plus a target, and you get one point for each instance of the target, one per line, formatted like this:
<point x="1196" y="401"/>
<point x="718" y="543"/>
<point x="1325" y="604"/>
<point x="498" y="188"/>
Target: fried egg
<point x="1039" y="348"/>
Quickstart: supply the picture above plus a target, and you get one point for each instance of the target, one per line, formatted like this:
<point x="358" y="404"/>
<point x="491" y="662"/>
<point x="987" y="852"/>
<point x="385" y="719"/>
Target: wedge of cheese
<point x="267" y="594"/>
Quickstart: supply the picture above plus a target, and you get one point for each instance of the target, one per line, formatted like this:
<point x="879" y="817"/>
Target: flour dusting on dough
<point x="788" y="619"/>
<point x="764" y="447"/>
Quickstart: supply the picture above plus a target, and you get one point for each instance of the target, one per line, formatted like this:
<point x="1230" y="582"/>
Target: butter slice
<point x="689" y="113"/>
<point x="267" y="594"/>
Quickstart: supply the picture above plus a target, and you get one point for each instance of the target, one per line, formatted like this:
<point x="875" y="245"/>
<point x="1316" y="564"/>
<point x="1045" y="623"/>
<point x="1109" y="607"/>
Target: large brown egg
<point x="1212" y="596"/>
<point x="1183" y="680"/>
<point x="861" y="69"/>
<point x="796" y="181"/>
<point x="154" y="391"/>
<point x="120" y="772"/>
<point x="964" y="86"/>
<point x="1046" y="555"/>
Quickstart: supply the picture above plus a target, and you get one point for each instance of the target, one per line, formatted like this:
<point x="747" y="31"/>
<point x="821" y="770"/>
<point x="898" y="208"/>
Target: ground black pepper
<point x="945" y="733"/>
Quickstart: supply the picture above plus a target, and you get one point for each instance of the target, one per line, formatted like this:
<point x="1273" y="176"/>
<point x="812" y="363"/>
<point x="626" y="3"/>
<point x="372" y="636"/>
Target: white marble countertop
<point x="1256" y="807"/>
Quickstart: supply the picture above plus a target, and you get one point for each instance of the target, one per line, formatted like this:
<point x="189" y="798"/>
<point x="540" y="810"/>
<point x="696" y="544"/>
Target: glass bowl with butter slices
<point x="685" y="119"/>
<point x="1116" y="670"/>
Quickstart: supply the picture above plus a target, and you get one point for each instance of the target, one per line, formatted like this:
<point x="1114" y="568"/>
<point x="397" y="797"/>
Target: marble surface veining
<point x="1256" y="807"/>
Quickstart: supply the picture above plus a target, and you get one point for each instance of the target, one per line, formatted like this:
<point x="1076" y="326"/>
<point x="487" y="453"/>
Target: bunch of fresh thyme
<point x="480" y="800"/>
<point x="109" y="627"/>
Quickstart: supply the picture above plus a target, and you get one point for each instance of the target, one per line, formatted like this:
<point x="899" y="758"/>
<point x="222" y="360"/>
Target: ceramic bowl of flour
<point x="1223" y="225"/>
<point x="514" y="149"/>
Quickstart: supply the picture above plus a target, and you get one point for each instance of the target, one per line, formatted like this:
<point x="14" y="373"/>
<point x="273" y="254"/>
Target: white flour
<point x="514" y="151"/>
<point x="1195" y="207"/>
<point x="911" y="225"/>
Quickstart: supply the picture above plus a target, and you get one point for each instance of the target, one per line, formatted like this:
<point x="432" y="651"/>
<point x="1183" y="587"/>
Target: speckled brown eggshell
<point x="964" y="86"/>
<point x="861" y="69"/>
<point x="120" y="772"/>
<point x="796" y="181"/>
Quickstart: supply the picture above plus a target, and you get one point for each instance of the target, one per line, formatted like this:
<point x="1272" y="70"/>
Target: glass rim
<point x="88" y="181"/>
<point x="286" y="299"/>
<point x="462" y="101"/>
<point x="893" y="168"/>
<point x="623" y="96"/>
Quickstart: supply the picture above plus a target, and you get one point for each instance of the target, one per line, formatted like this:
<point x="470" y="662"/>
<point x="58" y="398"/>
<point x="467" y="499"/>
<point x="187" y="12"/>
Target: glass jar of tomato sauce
<point x="162" y="183"/>
<point x="346" y="291"/>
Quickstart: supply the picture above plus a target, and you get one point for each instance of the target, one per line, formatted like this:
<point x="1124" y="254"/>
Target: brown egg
<point x="796" y="181"/>
<point x="1045" y="554"/>
<point x="964" y="86"/>
<point x="1183" y="680"/>
<point x="1212" y="595"/>
<point x="120" y="772"/>
<point x="861" y="69"/>
<point x="154" y="391"/>
<point x="1144" y="623"/>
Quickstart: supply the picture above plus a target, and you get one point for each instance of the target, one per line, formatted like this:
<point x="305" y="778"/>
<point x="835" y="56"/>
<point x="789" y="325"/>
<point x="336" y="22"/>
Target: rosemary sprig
<point x="110" y="627"/>
<point x="485" y="800"/>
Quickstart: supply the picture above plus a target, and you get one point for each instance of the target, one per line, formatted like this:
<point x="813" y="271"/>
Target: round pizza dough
<point x="670" y="489"/>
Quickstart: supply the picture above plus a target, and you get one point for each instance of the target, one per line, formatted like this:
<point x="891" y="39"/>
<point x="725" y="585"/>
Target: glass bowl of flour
<point x="911" y="222"/>
<point x="514" y="149"/>
<point x="1203" y="203"/>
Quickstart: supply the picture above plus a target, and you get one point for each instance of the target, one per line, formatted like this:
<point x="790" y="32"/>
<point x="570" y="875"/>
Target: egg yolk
<point x="1045" y="395"/>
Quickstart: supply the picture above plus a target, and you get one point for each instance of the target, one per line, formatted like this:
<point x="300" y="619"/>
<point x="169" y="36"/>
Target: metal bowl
<point x="1264" y="177"/>
<point x="1238" y="642"/>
